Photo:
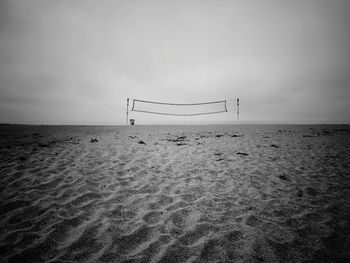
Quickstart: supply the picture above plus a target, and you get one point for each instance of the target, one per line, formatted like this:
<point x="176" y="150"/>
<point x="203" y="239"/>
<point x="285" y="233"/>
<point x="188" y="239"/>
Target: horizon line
<point x="185" y="124"/>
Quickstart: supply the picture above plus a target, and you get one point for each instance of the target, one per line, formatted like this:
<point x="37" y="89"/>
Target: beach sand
<point x="240" y="193"/>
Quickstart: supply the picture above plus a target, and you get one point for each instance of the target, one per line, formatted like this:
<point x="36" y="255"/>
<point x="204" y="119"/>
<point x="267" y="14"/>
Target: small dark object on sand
<point x="236" y="135"/>
<point x="22" y="158"/>
<point x="299" y="193"/>
<point x="274" y="145"/>
<point x="94" y="140"/>
<point x="326" y="132"/>
<point x="178" y="139"/>
<point x="311" y="191"/>
<point x="241" y="153"/>
<point x="218" y="135"/>
<point x="331" y="156"/>
<point x="283" y="177"/>
<point x="142" y="142"/>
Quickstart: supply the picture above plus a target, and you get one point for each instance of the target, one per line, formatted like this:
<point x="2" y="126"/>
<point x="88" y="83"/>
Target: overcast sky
<point x="76" y="62"/>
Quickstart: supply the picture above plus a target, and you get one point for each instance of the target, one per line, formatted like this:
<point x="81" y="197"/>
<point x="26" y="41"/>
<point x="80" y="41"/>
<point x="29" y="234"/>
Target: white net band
<point x="181" y="109"/>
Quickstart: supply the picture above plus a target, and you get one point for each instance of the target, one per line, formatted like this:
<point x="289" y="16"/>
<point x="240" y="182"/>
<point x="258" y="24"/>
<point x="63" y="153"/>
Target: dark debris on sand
<point x="242" y="153"/>
<point x="283" y="177"/>
<point x="178" y="139"/>
<point x="183" y="140"/>
<point x="220" y="157"/>
<point x="236" y="135"/>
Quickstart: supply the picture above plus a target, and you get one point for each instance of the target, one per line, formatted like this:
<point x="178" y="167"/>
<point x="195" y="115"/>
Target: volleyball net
<point x="179" y="109"/>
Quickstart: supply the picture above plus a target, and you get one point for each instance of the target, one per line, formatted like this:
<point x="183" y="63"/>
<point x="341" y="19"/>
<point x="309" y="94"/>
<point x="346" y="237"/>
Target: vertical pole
<point x="127" y="111"/>
<point x="237" y="109"/>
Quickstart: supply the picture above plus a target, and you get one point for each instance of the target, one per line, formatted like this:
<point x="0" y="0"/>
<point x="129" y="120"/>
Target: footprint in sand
<point x="180" y="204"/>
<point x="189" y="197"/>
<point x="137" y="238"/>
<point x="311" y="191"/>
<point x="253" y="221"/>
<point x="234" y="236"/>
<point x="152" y="217"/>
<point x="213" y="251"/>
<point x="165" y="200"/>
<point x="197" y="233"/>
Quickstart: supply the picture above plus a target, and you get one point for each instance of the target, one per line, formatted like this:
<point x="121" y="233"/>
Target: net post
<point x="237" y="109"/>
<point x="127" y="111"/>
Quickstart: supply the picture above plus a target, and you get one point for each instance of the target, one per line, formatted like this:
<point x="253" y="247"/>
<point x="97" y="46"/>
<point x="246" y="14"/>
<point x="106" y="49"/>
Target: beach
<point x="191" y="193"/>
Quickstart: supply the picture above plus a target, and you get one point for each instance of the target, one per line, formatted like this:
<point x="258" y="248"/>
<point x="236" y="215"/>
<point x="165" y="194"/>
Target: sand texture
<point x="241" y="193"/>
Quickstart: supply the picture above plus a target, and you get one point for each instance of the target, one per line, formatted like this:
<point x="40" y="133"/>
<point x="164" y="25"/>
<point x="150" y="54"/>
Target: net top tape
<point x="179" y="104"/>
